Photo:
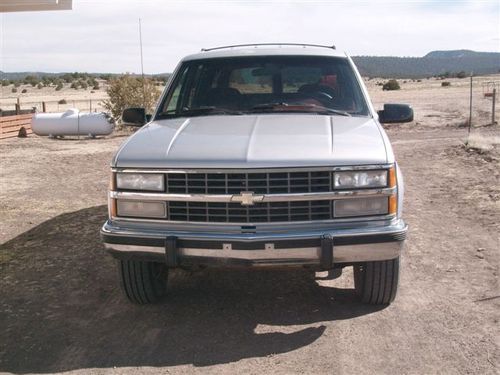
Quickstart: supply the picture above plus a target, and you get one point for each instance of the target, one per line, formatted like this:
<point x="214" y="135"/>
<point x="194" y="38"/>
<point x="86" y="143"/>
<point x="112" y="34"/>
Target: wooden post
<point x="44" y="108"/>
<point x="18" y="106"/>
<point x="493" y="106"/>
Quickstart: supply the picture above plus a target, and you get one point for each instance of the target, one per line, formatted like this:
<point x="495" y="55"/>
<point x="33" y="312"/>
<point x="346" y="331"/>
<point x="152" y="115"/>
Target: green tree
<point x="128" y="91"/>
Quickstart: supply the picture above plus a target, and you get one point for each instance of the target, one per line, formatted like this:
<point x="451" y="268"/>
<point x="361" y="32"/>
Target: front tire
<point x="376" y="283"/>
<point x="143" y="282"/>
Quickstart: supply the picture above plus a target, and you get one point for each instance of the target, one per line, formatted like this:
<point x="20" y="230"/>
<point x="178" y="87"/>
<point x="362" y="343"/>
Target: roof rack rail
<point x="268" y="44"/>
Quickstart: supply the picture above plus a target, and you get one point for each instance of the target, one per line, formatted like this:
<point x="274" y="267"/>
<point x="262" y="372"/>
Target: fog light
<point x="361" y="207"/>
<point x="140" y="209"/>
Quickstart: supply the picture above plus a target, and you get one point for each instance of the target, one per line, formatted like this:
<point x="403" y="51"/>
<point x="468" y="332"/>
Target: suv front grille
<point x="259" y="183"/>
<point x="258" y="213"/>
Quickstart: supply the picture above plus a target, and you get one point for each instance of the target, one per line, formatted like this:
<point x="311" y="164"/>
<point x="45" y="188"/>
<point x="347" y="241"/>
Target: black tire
<point x="143" y="282"/>
<point x="376" y="283"/>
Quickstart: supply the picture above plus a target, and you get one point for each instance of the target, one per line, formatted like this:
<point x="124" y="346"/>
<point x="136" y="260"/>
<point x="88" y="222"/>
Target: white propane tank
<point x="72" y="122"/>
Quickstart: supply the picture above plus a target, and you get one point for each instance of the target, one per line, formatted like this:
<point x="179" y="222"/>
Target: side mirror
<point x="394" y="113"/>
<point x="134" y="116"/>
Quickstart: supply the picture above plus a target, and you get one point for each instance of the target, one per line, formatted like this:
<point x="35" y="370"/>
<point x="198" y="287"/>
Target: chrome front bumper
<point x="293" y="248"/>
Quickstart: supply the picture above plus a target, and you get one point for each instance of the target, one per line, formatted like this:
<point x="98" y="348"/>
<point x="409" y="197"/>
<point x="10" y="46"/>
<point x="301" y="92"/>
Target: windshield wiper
<point x="286" y="107"/>
<point x="198" y="111"/>
<point x="270" y="105"/>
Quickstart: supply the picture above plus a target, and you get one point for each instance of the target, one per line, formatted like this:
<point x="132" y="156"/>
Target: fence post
<point x="470" y="105"/>
<point x="44" y="108"/>
<point x="18" y="106"/>
<point x="493" y="106"/>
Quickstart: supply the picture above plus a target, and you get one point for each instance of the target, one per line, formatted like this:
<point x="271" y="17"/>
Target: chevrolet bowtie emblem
<point x="247" y="198"/>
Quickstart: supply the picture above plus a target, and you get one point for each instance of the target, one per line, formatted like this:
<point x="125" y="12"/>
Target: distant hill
<point x="459" y="53"/>
<point x="434" y="63"/>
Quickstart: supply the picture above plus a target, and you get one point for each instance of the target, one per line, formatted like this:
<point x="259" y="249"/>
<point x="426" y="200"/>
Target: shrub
<point x="62" y="101"/>
<point x="445" y="84"/>
<point x="96" y="86"/>
<point x="392" y="84"/>
<point x="30" y="80"/>
<point x="67" y="77"/>
<point x="24" y="91"/>
<point x="74" y="85"/>
<point x="127" y="91"/>
<point x="83" y="85"/>
<point x="59" y="86"/>
<point x="461" y="74"/>
<point x="14" y="90"/>
<point x="5" y="83"/>
<point x="39" y="86"/>
<point x="17" y="84"/>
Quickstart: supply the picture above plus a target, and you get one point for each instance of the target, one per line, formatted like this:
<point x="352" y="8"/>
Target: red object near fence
<point x="10" y="125"/>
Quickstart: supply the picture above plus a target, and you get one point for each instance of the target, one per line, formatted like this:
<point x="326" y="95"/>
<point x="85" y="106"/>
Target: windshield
<point x="267" y="84"/>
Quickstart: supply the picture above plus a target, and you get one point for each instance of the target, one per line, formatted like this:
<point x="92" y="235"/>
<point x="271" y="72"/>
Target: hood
<point x="254" y="141"/>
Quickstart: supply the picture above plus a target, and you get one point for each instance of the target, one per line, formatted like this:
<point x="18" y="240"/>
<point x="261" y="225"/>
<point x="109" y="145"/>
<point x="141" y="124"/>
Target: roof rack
<point x="267" y="44"/>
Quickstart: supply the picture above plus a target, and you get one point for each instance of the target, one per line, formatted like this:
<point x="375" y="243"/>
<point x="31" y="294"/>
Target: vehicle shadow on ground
<point x="61" y="308"/>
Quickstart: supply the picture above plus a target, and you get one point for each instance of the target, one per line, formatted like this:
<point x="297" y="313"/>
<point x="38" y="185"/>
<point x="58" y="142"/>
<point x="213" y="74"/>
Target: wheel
<point x="143" y="282"/>
<point x="377" y="282"/>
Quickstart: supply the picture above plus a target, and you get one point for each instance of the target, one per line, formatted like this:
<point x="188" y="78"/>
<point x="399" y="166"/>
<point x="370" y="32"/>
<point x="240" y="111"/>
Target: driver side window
<point x="173" y="101"/>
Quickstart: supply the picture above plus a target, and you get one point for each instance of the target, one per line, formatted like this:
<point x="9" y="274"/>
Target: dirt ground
<point x="61" y="308"/>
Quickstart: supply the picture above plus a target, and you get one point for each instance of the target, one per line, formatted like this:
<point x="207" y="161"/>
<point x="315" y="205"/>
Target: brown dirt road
<point x="61" y="310"/>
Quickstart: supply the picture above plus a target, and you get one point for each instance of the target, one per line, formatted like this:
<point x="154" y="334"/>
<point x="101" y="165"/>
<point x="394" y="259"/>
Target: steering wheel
<point x="323" y="94"/>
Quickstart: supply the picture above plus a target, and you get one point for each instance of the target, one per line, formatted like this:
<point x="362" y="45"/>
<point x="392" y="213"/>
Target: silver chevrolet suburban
<point x="259" y="155"/>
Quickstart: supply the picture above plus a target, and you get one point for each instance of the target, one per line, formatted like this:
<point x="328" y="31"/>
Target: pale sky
<point x="102" y="36"/>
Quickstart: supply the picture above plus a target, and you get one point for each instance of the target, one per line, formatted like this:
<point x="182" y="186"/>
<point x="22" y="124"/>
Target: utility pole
<point x="142" y="67"/>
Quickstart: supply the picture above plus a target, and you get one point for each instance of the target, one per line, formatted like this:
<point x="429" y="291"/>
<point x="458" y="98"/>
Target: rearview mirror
<point x="134" y="117"/>
<point x="394" y="113"/>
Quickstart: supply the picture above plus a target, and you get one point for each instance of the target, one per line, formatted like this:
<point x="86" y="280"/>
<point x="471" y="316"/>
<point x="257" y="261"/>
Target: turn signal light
<point x="392" y="177"/>
<point x="393" y="204"/>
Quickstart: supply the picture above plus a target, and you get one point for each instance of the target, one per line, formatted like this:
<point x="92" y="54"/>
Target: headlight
<point x="360" y="179"/>
<point x="140" y="209"/>
<point x="140" y="181"/>
<point x="361" y="207"/>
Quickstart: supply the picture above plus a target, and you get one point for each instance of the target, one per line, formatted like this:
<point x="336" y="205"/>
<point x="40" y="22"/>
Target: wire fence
<point x="84" y="105"/>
